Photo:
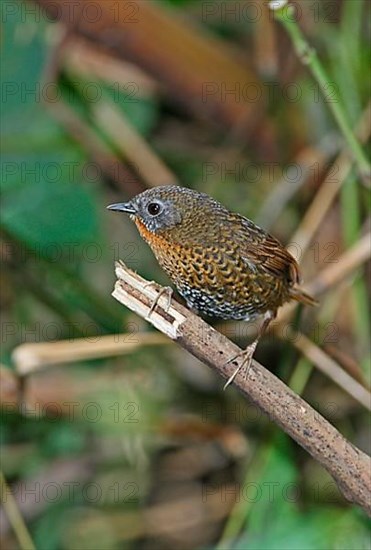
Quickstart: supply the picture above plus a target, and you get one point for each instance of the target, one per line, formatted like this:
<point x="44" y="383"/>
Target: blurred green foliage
<point x="46" y="206"/>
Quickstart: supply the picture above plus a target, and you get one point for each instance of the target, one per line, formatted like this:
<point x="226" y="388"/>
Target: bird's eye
<point x="154" y="208"/>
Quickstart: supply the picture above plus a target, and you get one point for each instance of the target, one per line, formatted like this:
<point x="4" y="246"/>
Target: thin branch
<point x="14" y="516"/>
<point x="132" y="145"/>
<point x="331" y="369"/>
<point x="331" y="276"/>
<point x="330" y="187"/>
<point x="25" y="505"/>
<point x="309" y="57"/>
<point x="349" y="466"/>
<point x="353" y="258"/>
<point x="108" y="161"/>
<point x="339" y="170"/>
<point x="31" y="357"/>
<point x="284" y="188"/>
<point x="87" y="59"/>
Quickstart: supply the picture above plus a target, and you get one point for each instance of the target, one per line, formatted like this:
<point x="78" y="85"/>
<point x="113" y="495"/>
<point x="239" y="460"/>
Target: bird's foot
<point x="246" y="357"/>
<point x="164" y="290"/>
<point x="248" y="353"/>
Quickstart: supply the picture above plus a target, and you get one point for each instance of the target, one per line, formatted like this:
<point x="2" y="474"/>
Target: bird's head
<point x="162" y="209"/>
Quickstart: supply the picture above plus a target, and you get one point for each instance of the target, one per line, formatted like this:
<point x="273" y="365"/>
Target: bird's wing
<point x="262" y="250"/>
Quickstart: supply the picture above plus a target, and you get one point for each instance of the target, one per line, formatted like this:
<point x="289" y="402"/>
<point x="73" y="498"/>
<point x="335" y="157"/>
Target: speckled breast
<point x="216" y="282"/>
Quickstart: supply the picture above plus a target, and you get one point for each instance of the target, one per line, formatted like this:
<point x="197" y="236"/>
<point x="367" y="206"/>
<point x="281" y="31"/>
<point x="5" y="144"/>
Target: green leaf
<point x="57" y="214"/>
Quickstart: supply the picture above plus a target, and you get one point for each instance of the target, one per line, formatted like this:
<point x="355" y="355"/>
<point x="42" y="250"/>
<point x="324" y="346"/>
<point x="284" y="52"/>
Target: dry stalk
<point x="132" y="145"/>
<point x="329" y="188"/>
<point x="349" y="466"/>
<point x="331" y="368"/>
<point x="31" y="357"/>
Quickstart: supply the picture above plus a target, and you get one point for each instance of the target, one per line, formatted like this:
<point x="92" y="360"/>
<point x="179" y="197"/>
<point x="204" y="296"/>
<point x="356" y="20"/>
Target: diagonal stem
<point x="349" y="466"/>
<point x="309" y="57"/>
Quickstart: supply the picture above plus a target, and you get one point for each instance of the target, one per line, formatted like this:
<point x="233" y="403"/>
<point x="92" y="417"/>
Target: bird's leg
<point x="164" y="290"/>
<point x="247" y="354"/>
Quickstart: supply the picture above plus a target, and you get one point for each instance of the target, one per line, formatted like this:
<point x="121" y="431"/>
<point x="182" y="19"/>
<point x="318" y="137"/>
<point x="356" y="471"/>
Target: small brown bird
<point x="222" y="264"/>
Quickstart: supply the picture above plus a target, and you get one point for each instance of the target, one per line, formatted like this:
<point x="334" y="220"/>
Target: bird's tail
<point x="298" y="294"/>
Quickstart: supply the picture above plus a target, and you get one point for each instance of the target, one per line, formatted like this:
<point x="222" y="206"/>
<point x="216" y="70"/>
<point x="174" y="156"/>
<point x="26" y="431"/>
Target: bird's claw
<point x="247" y="356"/>
<point x="165" y="289"/>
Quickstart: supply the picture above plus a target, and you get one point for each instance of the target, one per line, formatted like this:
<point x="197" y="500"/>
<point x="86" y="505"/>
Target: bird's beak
<point x="122" y="207"/>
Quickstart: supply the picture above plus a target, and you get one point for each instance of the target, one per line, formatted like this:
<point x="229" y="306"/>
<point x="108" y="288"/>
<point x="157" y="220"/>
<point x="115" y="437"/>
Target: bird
<point x="222" y="264"/>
